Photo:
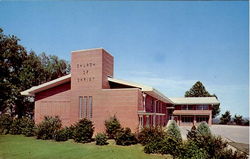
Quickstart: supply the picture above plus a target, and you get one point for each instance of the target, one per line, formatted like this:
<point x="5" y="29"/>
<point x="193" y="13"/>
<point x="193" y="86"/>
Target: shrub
<point x="173" y="131"/>
<point x="112" y="127"/>
<point x="29" y="127"/>
<point x="46" y="129"/>
<point x="61" y="135"/>
<point x="125" y="137"/>
<point x="83" y="131"/>
<point x="171" y="146"/>
<point x="150" y="134"/>
<point x="5" y="123"/>
<point x="213" y="145"/>
<point x="101" y="139"/>
<point x="153" y="147"/>
<point x="192" y="134"/>
<point x="16" y="127"/>
<point x="168" y="145"/>
<point x="70" y="131"/>
<point x="203" y="129"/>
<point x="229" y="154"/>
<point x="189" y="150"/>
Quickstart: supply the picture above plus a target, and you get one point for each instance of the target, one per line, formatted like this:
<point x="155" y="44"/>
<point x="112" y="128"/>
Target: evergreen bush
<point x="150" y="134"/>
<point x="5" y="123"/>
<point x="203" y="129"/>
<point x="46" y="129"/>
<point x="83" y="131"/>
<point x="101" y="139"/>
<point x="29" y="127"/>
<point x="124" y="137"/>
<point x="189" y="150"/>
<point x="173" y="131"/>
<point x="112" y="126"/>
<point x="61" y="135"/>
<point x="70" y="131"/>
<point x="16" y="127"/>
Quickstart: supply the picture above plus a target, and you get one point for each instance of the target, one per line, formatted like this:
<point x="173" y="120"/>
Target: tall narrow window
<point x="80" y="107"/>
<point x="85" y="102"/>
<point x="90" y="107"/>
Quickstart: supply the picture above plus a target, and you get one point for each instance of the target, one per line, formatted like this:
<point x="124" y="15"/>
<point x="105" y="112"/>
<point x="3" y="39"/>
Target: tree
<point x="199" y="90"/>
<point x="11" y="62"/>
<point x="238" y="119"/>
<point x="225" y="118"/>
<point x="21" y="70"/>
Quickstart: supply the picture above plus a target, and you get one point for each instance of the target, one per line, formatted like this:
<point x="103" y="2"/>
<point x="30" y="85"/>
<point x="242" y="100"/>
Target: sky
<point x="165" y="44"/>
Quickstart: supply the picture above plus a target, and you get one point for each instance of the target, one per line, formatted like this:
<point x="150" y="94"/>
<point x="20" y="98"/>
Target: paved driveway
<point x="238" y="134"/>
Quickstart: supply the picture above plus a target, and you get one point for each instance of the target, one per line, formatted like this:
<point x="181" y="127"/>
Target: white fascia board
<point x="195" y="100"/>
<point x="47" y="85"/>
<point x="133" y="84"/>
<point x="147" y="89"/>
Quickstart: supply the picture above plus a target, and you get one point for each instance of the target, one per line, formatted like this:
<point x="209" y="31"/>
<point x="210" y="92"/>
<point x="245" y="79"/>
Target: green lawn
<point x="20" y="147"/>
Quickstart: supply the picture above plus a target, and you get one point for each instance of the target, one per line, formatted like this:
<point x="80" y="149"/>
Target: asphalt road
<point x="239" y="134"/>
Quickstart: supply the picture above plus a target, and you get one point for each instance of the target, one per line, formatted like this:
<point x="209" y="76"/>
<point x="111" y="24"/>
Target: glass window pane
<point x="80" y="107"/>
<point x="90" y="106"/>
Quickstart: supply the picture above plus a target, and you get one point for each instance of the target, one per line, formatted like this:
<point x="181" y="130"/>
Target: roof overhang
<point x="195" y="100"/>
<point x="47" y="85"/>
<point x="147" y="89"/>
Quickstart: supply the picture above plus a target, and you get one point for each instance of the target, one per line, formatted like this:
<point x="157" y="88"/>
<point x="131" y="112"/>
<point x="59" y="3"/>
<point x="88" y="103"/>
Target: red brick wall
<point x="53" y="102"/>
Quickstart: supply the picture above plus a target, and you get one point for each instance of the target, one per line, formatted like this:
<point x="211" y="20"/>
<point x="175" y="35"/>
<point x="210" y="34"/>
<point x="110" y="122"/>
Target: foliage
<point x="61" y="135"/>
<point x="174" y="131"/>
<point x="238" y="119"/>
<point x="150" y="134"/>
<point x="192" y="134"/>
<point x="229" y="154"/>
<point x="112" y="126"/>
<point x="5" y="123"/>
<point x="168" y="145"/>
<point x="70" y="131"/>
<point x="124" y="137"/>
<point x="189" y="150"/>
<point x="46" y="129"/>
<point x="203" y="129"/>
<point x="83" y="131"/>
<point x="29" y="127"/>
<point x="199" y="90"/>
<point x="101" y="139"/>
<point x="21" y="70"/>
<point x="16" y="127"/>
<point x="225" y="118"/>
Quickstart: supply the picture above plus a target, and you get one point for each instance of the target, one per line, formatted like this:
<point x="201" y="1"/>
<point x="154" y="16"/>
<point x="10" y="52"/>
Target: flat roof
<point x="195" y="100"/>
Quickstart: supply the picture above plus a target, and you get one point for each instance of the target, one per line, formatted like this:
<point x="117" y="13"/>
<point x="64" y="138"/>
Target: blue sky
<point x="168" y="45"/>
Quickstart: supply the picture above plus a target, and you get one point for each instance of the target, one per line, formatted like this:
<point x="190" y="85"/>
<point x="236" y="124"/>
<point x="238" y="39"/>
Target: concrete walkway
<point x="239" y="134"/>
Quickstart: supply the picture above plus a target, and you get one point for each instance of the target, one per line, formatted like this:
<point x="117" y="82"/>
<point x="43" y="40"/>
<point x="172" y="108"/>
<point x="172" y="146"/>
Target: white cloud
<point x="232" y="97"/>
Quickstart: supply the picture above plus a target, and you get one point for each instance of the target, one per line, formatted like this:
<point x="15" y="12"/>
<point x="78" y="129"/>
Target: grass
<point x="20" y="147"/>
